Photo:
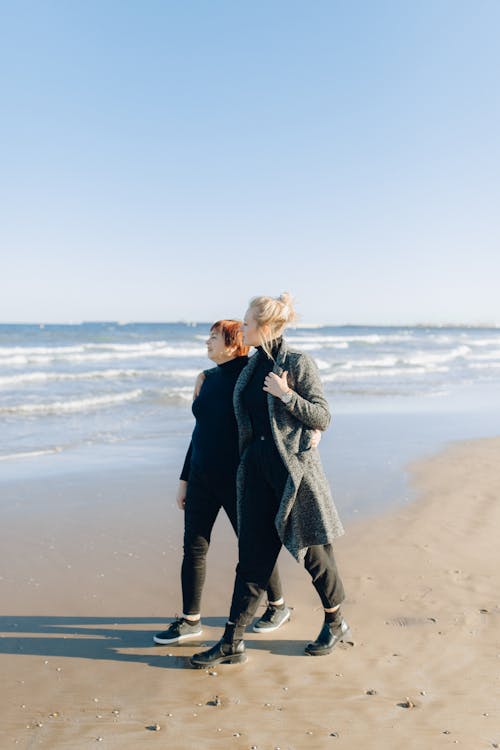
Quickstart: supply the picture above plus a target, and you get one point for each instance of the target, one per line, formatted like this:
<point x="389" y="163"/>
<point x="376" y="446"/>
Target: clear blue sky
<point x="168" y="160"/>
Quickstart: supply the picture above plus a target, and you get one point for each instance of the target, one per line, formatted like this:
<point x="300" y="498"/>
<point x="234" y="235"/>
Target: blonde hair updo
<point x="274" y="312"/>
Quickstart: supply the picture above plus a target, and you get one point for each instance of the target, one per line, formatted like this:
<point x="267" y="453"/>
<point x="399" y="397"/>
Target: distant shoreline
<point x="191" y="323"/>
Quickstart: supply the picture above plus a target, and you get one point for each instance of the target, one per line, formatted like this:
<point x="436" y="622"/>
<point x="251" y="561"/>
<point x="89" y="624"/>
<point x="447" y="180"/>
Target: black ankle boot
<point x="331" y="633"/>
<point x="226" y="651"/>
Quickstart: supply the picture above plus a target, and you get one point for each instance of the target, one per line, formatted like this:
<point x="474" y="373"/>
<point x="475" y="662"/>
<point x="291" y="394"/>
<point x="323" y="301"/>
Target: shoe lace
<point x="269" y="613"/>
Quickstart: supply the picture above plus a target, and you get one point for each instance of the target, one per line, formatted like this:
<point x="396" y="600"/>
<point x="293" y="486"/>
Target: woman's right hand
<point x="181" y="494"/>
<point x="197" y="386"/>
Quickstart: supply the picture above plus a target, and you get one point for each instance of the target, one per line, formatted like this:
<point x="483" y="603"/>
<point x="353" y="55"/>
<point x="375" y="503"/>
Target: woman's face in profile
<point x="217" y="349"/>
<point x="251" y="330"/>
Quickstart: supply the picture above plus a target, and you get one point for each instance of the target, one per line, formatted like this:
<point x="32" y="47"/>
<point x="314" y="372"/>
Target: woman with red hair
<point x="283" y="494"/>
<point x="208" y="481"/>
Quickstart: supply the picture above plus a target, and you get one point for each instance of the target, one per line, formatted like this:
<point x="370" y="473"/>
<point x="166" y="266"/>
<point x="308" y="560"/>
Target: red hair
<point x="233" y="335"/>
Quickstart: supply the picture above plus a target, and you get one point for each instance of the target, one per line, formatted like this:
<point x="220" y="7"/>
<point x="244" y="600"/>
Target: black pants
<point x="204" y="498"/>
<point x="259" y="544"/>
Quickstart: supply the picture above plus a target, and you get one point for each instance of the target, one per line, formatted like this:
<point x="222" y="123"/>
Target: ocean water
<point x="94" y="394"/>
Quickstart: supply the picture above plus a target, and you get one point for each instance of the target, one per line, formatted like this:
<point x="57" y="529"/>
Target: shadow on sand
<point x="115" y="639"/>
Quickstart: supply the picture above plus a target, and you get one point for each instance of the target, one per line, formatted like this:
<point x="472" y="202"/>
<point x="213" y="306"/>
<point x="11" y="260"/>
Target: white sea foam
<point x="485" y="366"/>
<point x="103" y="356"/>
<point x="429" y="358"/>
<point x="72" y="406"/>
<point x="318" y="342"/>
<point x="30" y="454"/>
<point x="380" y="374"/>
<point x="495" y="354"/>
<point x="41" y="377"/>
<point x="8" y="351"/>
<point x="145" y="346"/>
<point x="308" y="342"/>
<point x="386" y="364"/>
<point x="484" y="342"/>
<point x="379" y="362"/>
<point x="181" y="392"/>
<point x="322" y="364"/>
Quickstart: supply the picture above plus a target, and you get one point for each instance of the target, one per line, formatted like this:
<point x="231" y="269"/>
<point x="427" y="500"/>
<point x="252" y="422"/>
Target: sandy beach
<point x="90" y="572"/>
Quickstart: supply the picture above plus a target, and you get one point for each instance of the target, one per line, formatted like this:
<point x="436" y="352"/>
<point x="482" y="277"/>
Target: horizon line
<point x="193" y="323"/>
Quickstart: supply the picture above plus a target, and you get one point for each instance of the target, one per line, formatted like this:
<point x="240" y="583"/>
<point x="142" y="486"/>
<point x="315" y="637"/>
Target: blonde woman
<point x="208" y="482"/>
<point x="283" y="494"/>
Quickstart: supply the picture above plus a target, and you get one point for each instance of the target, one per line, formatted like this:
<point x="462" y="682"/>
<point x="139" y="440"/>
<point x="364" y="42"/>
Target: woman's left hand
<point x="276" y="385"/>
<point x="315" y="438"/>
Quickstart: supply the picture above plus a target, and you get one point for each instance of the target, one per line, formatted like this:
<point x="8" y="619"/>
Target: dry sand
<point x="86" y="583"/>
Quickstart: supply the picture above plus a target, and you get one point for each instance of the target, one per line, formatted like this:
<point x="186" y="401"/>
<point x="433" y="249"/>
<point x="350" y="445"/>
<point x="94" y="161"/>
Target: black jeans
<point x="204" y="498"/>
<point x="259" y="544"/>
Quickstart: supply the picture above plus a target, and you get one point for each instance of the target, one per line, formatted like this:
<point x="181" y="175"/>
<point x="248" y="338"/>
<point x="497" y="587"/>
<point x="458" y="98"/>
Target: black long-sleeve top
<point x="254" y="397"/>
<point x="214" y="443"/>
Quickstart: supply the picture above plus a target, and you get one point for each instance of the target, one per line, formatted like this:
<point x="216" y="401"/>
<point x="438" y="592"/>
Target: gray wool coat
<point x="307" y="514"/>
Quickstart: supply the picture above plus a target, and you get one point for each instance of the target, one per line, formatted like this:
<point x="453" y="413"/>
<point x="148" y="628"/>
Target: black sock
<point x="333" y="616"/>
<point x="228" y="635"/>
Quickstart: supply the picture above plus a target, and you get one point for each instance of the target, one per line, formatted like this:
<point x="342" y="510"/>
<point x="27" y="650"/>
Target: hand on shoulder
<point x="197" y="386"/>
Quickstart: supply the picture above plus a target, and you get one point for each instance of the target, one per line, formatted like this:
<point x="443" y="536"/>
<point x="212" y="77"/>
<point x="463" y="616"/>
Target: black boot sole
<point x="229" y="659"/>
<point x="346" y="638"/>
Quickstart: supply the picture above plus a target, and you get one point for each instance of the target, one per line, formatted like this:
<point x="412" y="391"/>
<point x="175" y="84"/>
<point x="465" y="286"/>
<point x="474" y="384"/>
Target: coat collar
<point x="277" y="364"/>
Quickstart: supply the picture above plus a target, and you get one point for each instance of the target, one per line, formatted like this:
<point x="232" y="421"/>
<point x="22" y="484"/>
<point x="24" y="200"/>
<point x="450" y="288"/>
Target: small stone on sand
<point x="406" y="703"/>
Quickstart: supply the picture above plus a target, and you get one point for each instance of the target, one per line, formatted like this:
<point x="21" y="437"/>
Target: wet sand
<point x="90" y="571"/>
